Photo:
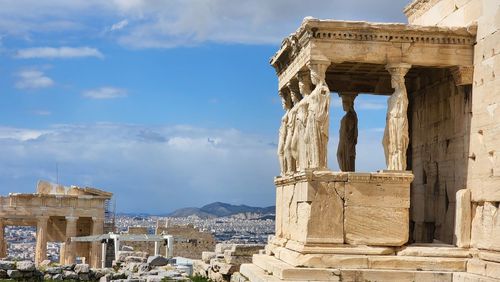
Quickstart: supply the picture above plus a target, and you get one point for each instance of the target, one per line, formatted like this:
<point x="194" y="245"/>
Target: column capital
<point x="42" y="218"/>
<point x="293" y="87"/>
<point x="95" y="218"/>
<point x="304" y="78"/>
<point x="398" y="69"/>
<point x="348" y="94"/>
<point x="71" y="218"/>
<point x="462" y="75"/>
<point x="318" y="70"/>
<point x="348" y="99"/>
<point x="319" y="62"/>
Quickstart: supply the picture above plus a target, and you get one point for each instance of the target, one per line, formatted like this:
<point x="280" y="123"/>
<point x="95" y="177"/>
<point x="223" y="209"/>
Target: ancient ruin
<point x="189" y="241"/>
<point x="59" y="213"/>
<point x="432" y="214"/>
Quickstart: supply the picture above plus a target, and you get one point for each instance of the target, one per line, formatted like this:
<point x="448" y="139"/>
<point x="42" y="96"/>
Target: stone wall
<point x="483" y="171"/>
<point x="445" y="12"/>
<point x="440" y="115"/>
<point x="194" y="241"/>
<point x="190" y="242"/>
<point x="147" y="247"/>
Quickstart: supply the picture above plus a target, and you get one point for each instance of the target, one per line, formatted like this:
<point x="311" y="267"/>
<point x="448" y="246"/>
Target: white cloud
<point x="19" y="134"/>
<point x="33" y="79"/>
<point x="164" y="166"/>
<point x="105" y="93"/>
<point x="58" y="53"/>
<point x="163" y="24"/>
<point x="119" y="25"/>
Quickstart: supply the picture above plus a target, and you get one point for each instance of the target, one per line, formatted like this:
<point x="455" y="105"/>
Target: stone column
<point x="62" y="253"/>
<point x="104" y="248"/>
<point x="95" y="251"/>
<point x="396" y="135"/>
<point x="70" y="247"/>
<point x="348" y="133"/>
<point x="157" y="248"/>
<point x="3" y="249"/>
<point x="318" y="120"/>
<point x="41" y="239"/>
<point x="170" y="247"/>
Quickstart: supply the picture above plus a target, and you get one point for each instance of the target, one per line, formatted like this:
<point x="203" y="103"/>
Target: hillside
<point x="219" y="209"/>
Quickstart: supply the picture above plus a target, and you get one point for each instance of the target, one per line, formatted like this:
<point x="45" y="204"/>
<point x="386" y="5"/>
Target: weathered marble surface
<point x="323" y="207"/>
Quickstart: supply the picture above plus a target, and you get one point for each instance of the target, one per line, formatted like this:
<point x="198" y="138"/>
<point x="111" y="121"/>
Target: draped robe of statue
<point x="396" y="136"/>
<point x="304" y="79"/>
<point x="283" y="136"/>
<point x="348" y="138"/>
<point x="317" y="125"/>
<point x="291" y="153"/>
<point x="298" y="144"/>
<point x="290" y="160"/>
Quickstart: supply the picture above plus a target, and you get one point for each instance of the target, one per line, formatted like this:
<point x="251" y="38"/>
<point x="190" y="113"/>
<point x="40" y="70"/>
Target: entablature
<point x="372" y="43"/>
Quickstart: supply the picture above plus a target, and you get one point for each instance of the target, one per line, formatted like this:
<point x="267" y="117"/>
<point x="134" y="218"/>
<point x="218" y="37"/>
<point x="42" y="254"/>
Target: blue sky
<point x="167" y="104"/>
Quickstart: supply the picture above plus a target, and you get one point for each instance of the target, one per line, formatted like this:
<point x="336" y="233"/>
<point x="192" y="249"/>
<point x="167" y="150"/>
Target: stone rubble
<point x="147" y="269"/>
<point x="220" y="265"/>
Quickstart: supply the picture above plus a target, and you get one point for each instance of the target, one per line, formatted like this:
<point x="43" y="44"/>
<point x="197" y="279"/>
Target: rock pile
<point x="132" y="268"/>
<point x="220" y="265"/>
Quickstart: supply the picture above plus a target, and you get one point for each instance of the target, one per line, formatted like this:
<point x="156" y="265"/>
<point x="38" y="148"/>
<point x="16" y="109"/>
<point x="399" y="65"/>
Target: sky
<point x="167" y="104"/>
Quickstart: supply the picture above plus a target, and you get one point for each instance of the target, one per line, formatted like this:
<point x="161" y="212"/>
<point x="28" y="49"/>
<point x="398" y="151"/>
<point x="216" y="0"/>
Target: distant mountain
<point x="219" y="209"/>
<point x="185" y="212"/>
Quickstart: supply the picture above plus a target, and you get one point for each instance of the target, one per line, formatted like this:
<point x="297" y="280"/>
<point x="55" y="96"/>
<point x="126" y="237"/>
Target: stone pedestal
<point x="325" y="208"/>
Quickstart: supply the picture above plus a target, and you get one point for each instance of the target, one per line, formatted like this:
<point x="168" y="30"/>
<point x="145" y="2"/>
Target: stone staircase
<point x="413" y="263"/>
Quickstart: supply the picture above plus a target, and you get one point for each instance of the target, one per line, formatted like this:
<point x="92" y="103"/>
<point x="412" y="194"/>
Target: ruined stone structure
<point x="190" y="242"/>
<point x="58" y="213"/>
<point x="432" y="214"/>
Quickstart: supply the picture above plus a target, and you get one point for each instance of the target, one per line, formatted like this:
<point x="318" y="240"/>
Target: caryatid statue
<point x="348" y="134"/>
<point x="317" y="125"/>
<point x="396" y="136"/>
<point x="286" y="103"/>
<point x="291" y="149"/>
<point x="301" y="119"/>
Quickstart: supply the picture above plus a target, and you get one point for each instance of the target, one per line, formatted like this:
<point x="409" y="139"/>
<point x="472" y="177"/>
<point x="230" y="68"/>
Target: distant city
<point x="241" y="226"/>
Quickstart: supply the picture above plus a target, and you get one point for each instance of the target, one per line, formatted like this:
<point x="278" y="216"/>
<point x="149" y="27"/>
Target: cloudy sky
<point x="167" y="104"/>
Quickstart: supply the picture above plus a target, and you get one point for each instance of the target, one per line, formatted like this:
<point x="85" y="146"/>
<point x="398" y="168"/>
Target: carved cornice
<point x="355" y="177"/>
<point x="311" y="175"/>
<point x="392" y="178"/>
<point x="331" y="31"/>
